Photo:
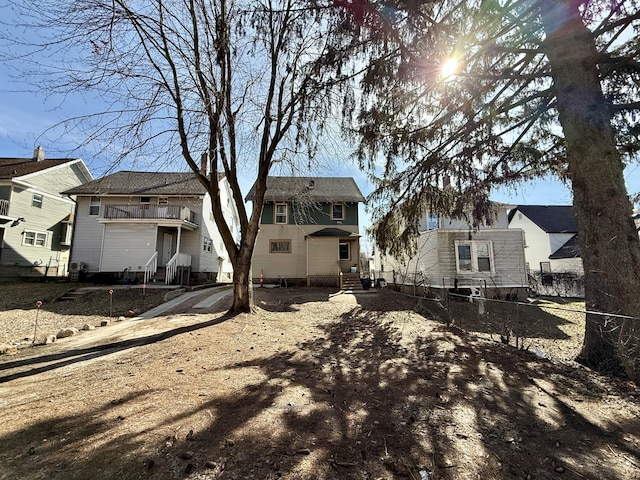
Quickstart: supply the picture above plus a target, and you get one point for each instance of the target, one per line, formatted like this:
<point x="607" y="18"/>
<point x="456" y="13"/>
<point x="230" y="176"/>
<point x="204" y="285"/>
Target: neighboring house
<point x="309" y="232"/>
<point x="552" y="252"/>
<point x="145" y="226"/>
<point x="451" y="254"/>
<point x="550" y="237"/>
<point x="36" y="220"/>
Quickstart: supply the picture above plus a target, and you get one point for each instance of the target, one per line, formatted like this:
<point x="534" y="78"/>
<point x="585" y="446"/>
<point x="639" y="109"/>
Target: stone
<point x="88" y="326"/>
<point x="50" y="339"/>
<point x="121" y="318"/>
<point x="8" y="349"/>
<point x="67" y="332"/>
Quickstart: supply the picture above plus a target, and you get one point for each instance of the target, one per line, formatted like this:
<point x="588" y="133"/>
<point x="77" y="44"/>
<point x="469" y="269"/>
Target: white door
<point x="167" y="240"/>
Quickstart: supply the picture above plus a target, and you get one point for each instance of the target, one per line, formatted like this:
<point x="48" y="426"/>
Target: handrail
<point x="151" y="267"/>
<point x="178" y="260"/>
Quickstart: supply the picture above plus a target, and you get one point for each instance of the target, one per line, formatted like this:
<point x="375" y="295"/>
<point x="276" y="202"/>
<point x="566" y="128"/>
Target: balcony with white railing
<point x="4" y="208"/>
<point x="153" y="213"/>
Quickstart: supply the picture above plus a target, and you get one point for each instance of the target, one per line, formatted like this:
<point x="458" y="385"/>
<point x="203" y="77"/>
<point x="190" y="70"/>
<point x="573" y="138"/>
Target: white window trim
<point x="91" y="205"/>
<point x="343" y="208"/>
<point x="474" y="256"/>
<point x="286" y="213"/>
<point x="40" y="200"/>
<point x="35" y="239"/>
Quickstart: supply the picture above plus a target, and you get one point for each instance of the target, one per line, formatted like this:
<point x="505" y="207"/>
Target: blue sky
<point x="26" y="116"/>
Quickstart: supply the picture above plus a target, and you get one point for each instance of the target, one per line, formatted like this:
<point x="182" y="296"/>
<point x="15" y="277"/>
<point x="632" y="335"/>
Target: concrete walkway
<point x="213" y="295"/>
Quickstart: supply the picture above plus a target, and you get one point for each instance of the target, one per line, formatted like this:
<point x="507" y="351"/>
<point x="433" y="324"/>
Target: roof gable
<point x="550" y="218"/>
<point x="314" y="189"/>
<point x="570" y="249"/>
<point x="13" y="168"/>
<point x="142" y="183"/>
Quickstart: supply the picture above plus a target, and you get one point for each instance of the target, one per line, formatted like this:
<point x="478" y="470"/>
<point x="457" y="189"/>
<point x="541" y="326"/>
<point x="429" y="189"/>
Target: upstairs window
<point x="36" y="200"/>
<point x="337" y="211"/>
<point x="281" y="213"/>
<point x="474" y="256"/>
<point x="207" y="244"/>
<point x="94" y="206"/>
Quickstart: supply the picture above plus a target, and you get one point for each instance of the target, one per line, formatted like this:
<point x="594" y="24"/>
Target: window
<point x="36" y="200"/>
<point x="65" y="236"/>
<point x="432" y="222"/>
<point x="281" y="213"/>
<point x="345" y="253"/>
<point x="35" y="239"/>
<point x="280" y="246"/>
<point x="94" y="206"/>
<point x="337" y="211"/>
<point x="474" y="256"/>
<point x="207" y="244"/>
<point x="145" y="202"/>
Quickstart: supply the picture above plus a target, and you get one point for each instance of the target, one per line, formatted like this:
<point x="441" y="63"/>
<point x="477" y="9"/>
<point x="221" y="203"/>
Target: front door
<point x="167" y="241"/>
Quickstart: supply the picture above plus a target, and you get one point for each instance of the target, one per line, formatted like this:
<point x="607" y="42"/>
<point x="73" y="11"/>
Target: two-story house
<point x="551" y="235"/>
<point x="309" y="232"/>
<point x="151" y="226"/>
<point x="552" y="252"/>
<point x="452" y="253"/>
<point x="36" y="220"/>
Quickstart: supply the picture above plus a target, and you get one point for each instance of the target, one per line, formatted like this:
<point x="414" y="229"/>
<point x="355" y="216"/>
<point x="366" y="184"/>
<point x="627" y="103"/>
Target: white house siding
<point x="323" y="256"/>
<point x="87" y="237"/>
<point x="294" y="264"/>
<point x="508" y="259"/>
<point x="44" y="220"/>
<point x="127" y="246"/>
<point x="423" y="263"/>
<point x="536" y="241"/>
<point x="56" y="179"/>
<point x="274" y="265"/>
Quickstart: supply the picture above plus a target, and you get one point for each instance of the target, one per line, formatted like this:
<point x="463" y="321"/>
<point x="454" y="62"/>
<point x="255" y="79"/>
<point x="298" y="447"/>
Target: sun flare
<point x="449" y="68"/>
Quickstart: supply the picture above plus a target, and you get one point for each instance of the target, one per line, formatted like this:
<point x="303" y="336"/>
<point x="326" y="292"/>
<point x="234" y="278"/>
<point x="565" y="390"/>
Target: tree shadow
<point x="366" y="397"/>
<point x="26" y="367"/>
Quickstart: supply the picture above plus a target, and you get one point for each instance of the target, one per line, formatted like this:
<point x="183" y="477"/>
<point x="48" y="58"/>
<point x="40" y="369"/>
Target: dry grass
<point x="312" y="387"/>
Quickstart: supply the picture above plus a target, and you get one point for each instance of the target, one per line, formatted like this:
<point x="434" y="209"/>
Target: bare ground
<point x="314" y="386"/>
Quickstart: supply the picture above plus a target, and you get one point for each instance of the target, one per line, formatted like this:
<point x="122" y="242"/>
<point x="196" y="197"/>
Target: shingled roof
<point x="19" y="167"/>
<point x="142" y="183"/>
<point x="550" y="218"/>
<point x="312" y="189"/>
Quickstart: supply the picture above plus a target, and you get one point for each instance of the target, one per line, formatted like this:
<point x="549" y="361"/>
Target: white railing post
<point x="151" y="267"/>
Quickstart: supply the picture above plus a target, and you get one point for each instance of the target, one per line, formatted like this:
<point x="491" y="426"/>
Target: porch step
<point x="351" y="281"/>
<point x="160" y="275"/>
<point x="69" y="296"/>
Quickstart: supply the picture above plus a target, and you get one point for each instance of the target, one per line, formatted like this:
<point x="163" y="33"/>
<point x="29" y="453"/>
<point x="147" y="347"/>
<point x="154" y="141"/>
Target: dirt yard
<point x="314" y="386"/>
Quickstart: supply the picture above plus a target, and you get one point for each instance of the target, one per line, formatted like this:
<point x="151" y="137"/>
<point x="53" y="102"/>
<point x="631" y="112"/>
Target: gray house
<point x="151" y="226"/>
<point x="36" y="220"/>
<point x="452" y="253"/>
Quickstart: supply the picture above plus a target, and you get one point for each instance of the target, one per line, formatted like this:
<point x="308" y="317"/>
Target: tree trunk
<point x="607" y="236"/>
<point x="242" y="287"/>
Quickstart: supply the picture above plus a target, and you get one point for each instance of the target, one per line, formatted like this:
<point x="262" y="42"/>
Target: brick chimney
<point x="38" y="154"/>
<point x="204" y="164"/>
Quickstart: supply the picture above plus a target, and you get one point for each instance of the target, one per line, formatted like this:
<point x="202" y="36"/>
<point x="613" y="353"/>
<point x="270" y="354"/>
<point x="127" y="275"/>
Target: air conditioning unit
<point x="76" y="266"/>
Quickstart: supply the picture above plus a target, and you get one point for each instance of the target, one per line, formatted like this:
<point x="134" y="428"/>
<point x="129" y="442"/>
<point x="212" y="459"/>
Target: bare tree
<point x="241" y="83"/>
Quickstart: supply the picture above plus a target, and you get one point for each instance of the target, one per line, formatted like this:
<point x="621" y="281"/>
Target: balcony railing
<point x="4" y="207"/>
<point x="149" y="212"/>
